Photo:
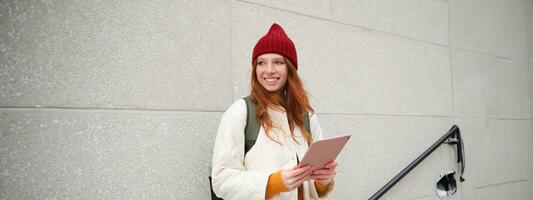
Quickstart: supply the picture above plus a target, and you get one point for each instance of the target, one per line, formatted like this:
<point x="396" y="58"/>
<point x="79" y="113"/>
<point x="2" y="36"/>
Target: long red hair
<point x="293" y="98"/>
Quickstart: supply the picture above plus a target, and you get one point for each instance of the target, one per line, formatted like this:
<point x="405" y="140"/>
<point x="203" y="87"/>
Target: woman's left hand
<point x="325" y="175"/>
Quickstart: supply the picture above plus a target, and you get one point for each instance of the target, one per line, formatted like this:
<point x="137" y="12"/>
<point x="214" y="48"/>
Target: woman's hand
<point x="293" y="178"/>
<point x="325" y="175"/>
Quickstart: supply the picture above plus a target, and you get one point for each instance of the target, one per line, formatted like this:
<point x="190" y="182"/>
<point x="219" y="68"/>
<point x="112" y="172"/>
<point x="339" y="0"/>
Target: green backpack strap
<point x="251" y="130"/>
<point x="307" y="124"/>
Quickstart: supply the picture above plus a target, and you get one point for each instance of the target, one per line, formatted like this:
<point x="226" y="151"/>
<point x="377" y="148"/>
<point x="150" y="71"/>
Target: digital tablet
<point x="322" y="151"/>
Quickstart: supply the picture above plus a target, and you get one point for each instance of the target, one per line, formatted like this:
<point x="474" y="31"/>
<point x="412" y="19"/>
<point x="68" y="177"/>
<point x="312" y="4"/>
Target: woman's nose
<point x="270" y="68"/>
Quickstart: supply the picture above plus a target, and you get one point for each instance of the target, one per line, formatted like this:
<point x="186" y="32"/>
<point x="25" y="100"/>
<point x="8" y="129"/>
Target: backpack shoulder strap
<point x="251" y="130"/>
<point x="307" y="124"/>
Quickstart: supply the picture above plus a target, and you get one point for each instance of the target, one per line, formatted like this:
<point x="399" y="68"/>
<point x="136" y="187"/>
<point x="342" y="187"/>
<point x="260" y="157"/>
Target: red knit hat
<point x="276" y="41"/>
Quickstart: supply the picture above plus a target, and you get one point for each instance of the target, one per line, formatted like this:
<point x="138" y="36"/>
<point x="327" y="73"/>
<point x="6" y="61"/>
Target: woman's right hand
<point x="293" y="178"/>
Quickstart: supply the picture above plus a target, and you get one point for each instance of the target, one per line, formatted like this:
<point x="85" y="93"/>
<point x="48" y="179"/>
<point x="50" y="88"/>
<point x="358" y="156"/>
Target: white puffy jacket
<point x="238" y="177"/>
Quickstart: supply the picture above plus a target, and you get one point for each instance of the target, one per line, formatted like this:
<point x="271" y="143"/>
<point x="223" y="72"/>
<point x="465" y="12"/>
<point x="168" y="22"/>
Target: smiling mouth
<point x="271" y="79"/>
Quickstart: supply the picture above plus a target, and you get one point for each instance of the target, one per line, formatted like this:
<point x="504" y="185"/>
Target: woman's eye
<point x="260" y="63"/>
<point x="279" y="62"/>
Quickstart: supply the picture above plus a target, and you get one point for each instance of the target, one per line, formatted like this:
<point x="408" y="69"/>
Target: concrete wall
<point x="121" y="100"/>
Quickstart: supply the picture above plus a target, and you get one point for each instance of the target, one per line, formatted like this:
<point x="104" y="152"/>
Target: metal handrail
<point x="452" y="137"/>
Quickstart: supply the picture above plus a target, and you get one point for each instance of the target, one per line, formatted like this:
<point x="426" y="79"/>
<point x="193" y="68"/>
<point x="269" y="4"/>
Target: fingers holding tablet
<point x="326" y="174"/>
<point x="293" y="178"/>
<point x="318" y="163"/>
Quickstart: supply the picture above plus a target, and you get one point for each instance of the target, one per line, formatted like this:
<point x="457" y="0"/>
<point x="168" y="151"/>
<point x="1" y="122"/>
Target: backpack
<point x="251" y="131"/>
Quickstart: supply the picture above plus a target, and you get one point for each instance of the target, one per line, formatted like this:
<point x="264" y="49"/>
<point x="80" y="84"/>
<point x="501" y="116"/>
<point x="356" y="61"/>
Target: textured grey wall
<point x="121" y="100"/>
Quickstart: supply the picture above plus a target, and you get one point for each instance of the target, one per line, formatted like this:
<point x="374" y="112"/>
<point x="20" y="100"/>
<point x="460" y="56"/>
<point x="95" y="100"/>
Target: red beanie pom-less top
<point x="276" y="41"/>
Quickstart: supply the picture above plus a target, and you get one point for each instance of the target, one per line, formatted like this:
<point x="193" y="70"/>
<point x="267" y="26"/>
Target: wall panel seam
<point x="344" y="23"/>
<point x="451" y="61"/>
<point x="528" y="41"/>
<point x="490" y="55"/>
<point x="501" y="183"/>
<point x="424" y="116"/>
<point x="231" y="48"/>
<point x="95" y="109"/>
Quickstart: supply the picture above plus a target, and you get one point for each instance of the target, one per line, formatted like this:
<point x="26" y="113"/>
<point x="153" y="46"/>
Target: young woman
<point x="269" y="169"/>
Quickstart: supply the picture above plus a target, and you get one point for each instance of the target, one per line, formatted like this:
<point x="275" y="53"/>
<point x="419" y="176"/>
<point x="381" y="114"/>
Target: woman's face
<point x="271" y="71"/>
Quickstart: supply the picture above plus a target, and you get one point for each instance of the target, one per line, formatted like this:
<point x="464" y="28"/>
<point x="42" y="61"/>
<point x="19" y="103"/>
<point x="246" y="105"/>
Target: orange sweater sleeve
<point x="275" y="185"/>
<point x="323" y="190"/>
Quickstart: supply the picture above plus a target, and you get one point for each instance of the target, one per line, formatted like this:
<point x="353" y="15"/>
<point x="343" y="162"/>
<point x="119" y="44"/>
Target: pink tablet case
<point x="322" y="151"/>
